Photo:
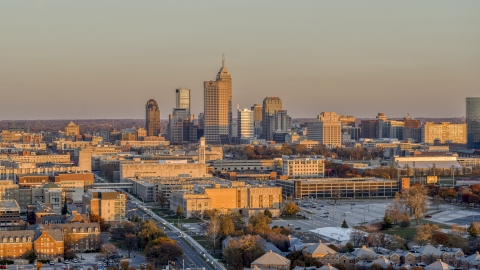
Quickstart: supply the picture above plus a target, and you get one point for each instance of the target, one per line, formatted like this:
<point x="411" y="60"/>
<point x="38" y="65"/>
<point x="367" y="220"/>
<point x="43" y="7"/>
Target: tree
<point x="344" y="224"/>
<point x="437" y="201"/>
<point x="124" y="264"/>
<point x="126" y="227"/>
<point x="148" y="232"/>
<point x="162" y="250"/>
<point x="415" y="199"/>
<point x="179" y="211"/>
<point x="375" y="266"/>
<point x="268" y="213"/>
<point x="259" y="223"/>
<point x="96" y="218"/>
<point x="457" y="230"/>
<point x="396" y="209"/>
<point x="424" y="233"/>
<point x="473" y="230"/>
<point x="149" y="267"/>
<point x="397" y="242"/>
<point x="162" y="199"/>
<point x="356" y="237"/>
<point x="279" y="240"/>
<point x="440" y="238"/>
<point x="387" y="222"/>
<point x="130" y="242"/>
<point x="349" y="247"/>
<point x="242" y="251"/>
<point x="39" y="265"/>
<point x="106" y="250"/>
<point x="226" y="226"/>
<point x="290" y="208"/>
<point x="31" y="257"/>
<point x="213" y="229"/>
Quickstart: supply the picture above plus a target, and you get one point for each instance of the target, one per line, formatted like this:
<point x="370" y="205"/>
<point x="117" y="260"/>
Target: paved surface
<point x="191" y="258"/>
<point x="455" y="214"/>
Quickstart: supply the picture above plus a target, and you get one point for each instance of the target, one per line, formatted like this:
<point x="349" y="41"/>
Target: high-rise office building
<point x="270" y="106"/>
<point x="182" y="99"/>
<point x="180" y="127"/>
<point x="327" y="130"/>
<point x="218" y="107"/>
<point x="257" y="112"/>
<point x="153" y="118"/>
<point x="245" y="124"/>
<point x="473" y="122"/>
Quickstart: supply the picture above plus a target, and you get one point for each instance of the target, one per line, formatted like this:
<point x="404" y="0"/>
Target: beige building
<point x="144" y="143"/>
<point x="164" y="168"/>
<point x="446" y="132"/>
<point x="8" y="190"/>
<point x="270" y="106"/>
<point x="244" y="165"/>
<point x="218" y="107"/>
<point x="303" y="167"/>
<point x="72" y="129"/>
<point x="327" y="130"/>
<point x="108" y="204"/>
<point x="42" y="159"/>
<point x="233" y="197"/>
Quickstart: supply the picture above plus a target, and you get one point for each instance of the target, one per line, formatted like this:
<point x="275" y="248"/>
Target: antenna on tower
<point x="223" y="60"/>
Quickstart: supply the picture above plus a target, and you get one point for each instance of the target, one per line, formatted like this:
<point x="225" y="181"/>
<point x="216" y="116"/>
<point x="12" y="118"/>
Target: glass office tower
<point x="473" y="122"/>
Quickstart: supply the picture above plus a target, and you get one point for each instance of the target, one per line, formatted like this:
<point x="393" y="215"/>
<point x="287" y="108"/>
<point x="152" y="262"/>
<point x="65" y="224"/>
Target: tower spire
<point x="223" y="60"/>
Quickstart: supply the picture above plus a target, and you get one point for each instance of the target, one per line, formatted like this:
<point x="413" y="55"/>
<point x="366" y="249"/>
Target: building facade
<point x="303" y="167"/>
<point x="152" y="118"/>
<point x="446" y="132"/>
<point x="218" y="107"/>
<point x="245" y="120"/>
<point x="473" y="122"/>
<point x="182" y="99"/>
<point x="270" y="106"/>
<point x="108" y="204"/>
<point x="327" y="130"/>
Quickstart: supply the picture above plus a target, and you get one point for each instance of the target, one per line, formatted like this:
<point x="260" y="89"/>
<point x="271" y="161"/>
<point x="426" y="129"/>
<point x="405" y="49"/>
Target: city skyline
<point x="342" y="57"/>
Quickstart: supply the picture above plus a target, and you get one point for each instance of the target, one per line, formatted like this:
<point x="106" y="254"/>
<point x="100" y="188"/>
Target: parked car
<point x="298" y="228"/>
<point x="3" y="267"/>
<point x="326" y="213"/>
<point x="428" y="216"/>
<point x="52" y="263"/>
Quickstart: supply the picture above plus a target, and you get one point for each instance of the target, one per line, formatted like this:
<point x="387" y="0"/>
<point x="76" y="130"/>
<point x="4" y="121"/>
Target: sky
<point x="106" y="59"/>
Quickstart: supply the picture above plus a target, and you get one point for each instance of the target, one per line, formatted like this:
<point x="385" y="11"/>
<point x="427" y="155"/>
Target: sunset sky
<point x="106" y="59"/>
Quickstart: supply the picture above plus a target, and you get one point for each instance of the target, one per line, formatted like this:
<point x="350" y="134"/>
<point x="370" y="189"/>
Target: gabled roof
<point x="271" y="258"/>
<point x="429" y="250"/>
<point x="327" y="267"/>
<point x="438" y="265"/>
<point x="364" y="253"/>
<point x="473" y="259"/>
<point x="319" y="248"/>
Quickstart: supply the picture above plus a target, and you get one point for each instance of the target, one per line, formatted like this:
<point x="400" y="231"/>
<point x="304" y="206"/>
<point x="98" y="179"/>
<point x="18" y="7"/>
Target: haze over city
<point x="87" y="60"/>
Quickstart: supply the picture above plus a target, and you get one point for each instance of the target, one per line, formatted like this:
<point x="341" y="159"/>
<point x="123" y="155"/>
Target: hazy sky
<point x="106" y="59"/>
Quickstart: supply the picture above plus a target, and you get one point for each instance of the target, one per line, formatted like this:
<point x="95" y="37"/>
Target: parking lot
<point x="323" y="213"/>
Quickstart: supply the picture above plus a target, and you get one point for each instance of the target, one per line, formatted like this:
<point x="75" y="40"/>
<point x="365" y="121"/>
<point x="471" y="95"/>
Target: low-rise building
<point x="303" y="167"/>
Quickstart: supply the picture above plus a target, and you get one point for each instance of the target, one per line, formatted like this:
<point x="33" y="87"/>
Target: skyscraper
<point x="257" y="112"/>
<point x="218" y="107"/>
<point x="473" y="122"/>
<point x="270" y="105"/>
<point x="182" y="99"/>
<point x="153" y="118"/>
<point x="245" y="124"/>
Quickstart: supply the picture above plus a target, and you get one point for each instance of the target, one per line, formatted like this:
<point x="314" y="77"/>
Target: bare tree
<point x="213" y="229"/>
<point x="356" y="237"/>
<point x="415" y="199"/>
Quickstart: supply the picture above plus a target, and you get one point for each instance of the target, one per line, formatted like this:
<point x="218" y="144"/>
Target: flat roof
<point x="334" y="233"/>
<point x="9" y="204"/>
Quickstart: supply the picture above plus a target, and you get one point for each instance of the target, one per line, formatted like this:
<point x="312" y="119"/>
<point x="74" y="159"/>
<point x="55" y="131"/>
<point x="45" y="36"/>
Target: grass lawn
<point x="410" y="232"/>
<point x="174" y="219"/>
<point x="204" y="241"/>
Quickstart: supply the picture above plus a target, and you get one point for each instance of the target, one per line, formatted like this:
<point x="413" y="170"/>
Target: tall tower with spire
<point x="218" y="107"/>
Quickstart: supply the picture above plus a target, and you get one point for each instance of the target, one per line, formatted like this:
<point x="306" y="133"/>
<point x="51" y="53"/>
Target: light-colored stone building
<point x="326" y="130"/>
<point x="72" y="129"/>
<point x="303" y="167"/>
<point x="233" y="197"/>
<point x="108" y="204"/>
<point x="446" y="132"/>
<point x="163" y="169"/>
